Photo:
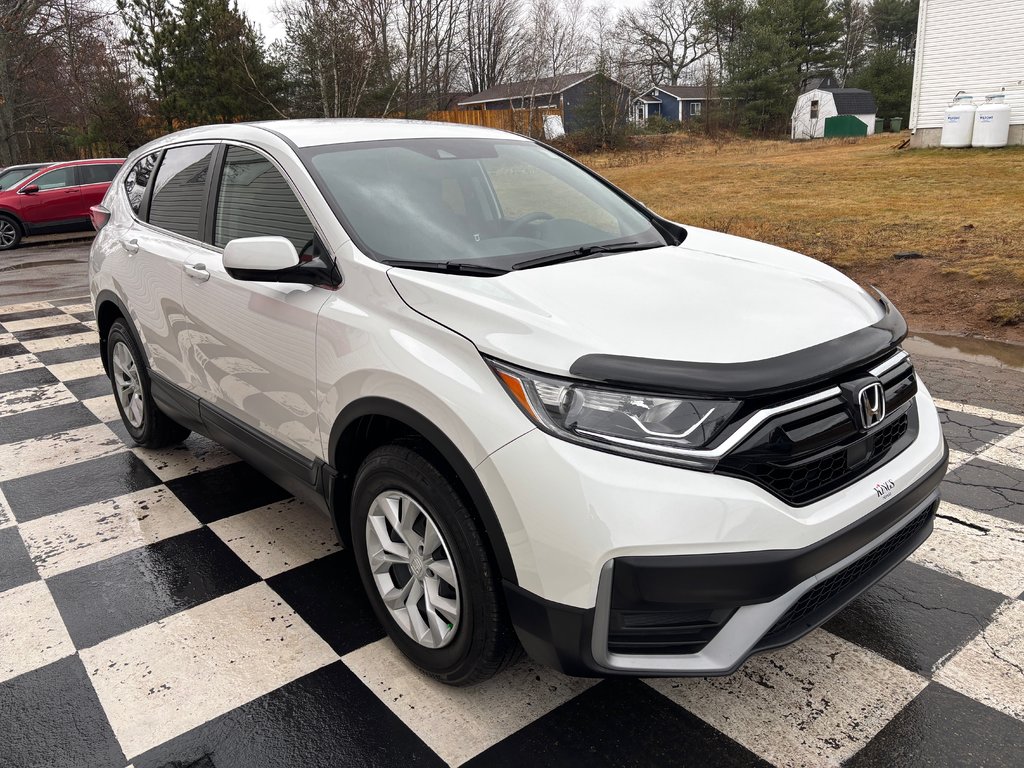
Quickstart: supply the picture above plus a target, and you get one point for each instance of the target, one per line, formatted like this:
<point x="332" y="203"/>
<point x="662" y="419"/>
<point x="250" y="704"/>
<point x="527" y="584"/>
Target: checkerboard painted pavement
<point x="175" y="608"/>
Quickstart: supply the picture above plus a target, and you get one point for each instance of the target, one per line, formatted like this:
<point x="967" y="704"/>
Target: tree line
<point x="79" y="77"/>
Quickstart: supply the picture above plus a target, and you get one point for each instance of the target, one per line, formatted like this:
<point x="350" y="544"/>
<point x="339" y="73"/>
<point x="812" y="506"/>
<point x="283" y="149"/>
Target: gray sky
<point x="260" y="12"/>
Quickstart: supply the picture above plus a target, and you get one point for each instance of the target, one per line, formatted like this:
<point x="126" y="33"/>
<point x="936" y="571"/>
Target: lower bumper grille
<point x="819" y="603"/>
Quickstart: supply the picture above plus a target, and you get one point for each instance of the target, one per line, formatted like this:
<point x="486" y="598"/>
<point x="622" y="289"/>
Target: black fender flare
<point x="380" y="406"/>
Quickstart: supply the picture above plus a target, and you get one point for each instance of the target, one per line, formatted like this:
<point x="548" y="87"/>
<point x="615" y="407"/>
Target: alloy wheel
<point x="127" y="384"/>
<point x="412" y="569"/>
<point x="8" y="233"/>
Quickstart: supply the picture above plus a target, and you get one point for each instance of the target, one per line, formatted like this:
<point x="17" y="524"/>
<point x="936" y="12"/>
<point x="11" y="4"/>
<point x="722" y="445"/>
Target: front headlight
<point x="633" y="423"/>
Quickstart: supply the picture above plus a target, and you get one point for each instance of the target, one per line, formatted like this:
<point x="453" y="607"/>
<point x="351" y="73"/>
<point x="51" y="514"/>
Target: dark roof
<point x="687" y="92"/>
<point x="544" y="86"/>
<point x="853" y="101"/>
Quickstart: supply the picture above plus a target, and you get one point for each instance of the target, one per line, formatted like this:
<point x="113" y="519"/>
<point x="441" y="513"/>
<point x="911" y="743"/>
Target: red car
<point x="56" y="198"/>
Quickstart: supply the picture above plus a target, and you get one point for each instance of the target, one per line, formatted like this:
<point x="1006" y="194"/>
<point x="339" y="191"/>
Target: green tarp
<point x="844" y="125"/>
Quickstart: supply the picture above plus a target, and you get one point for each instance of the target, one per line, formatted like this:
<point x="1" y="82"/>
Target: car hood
<point x="714" y="299"/>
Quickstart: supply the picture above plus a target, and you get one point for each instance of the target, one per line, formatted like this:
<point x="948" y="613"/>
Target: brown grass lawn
<point x="854" y="203"/>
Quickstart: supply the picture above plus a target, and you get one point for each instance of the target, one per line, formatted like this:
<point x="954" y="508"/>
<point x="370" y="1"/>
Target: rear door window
<point x="179" y="191"/>
<point x="254" y="199"/>
<point x="100" y="173"/>
<point x="137" y="180"/>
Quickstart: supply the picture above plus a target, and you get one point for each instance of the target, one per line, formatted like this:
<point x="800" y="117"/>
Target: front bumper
<point x="721" y="607"/>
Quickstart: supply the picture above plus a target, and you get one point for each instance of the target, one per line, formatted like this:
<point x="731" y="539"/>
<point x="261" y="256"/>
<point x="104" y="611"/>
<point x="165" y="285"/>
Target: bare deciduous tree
<point x="662" y="38"/>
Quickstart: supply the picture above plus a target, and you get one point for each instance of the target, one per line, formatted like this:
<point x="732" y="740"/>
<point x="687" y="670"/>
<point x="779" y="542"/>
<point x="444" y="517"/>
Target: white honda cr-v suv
<point x="537" y="412"/>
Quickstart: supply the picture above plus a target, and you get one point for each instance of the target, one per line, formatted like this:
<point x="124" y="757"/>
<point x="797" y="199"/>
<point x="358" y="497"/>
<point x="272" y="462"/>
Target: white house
<point x="824" y="99"/>
<point x="976" y="47"/>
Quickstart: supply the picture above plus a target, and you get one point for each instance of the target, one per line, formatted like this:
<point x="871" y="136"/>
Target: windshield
<point x="11" y="177"/>
<point x="497" y="202"/>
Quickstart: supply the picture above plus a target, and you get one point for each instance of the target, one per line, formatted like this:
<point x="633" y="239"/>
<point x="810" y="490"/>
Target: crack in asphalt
<point x="964" y="523"/>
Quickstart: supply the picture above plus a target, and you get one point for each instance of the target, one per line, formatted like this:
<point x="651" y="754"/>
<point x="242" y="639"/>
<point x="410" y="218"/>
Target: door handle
<point x="132" y="246"/>
<point x="197" y="272"/>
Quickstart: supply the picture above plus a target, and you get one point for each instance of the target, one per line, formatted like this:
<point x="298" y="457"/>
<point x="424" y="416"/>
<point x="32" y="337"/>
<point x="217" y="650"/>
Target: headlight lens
<point x="628" y="422"/>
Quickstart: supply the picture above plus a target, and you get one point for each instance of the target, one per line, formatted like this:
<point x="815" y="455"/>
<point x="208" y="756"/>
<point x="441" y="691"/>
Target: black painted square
<point x="16" y="566"/>
<point x="51" y="717"/>
<point x="144" y="585"/>
<point x="943" y="728"/>
<point x="29" y="314"/>
<point x="985" y="486"/>
<point x="225" y="491"/>
<point x="84" y="317"/>
<point x="31" y="377"/>
<point x="325" y="718"/>
<point x="68" y="329"/>
<point x="10" y="349"/>
<point x="68" y="301"/>
<point x="617" y="723"/>
<point x="916" y="616"/>
<point x="329" y="596"/>
<point x="76" y="485"/>
<point x="45" y="421"/>
<point x="94" y="386"/>
<point x="69" y="354"/>
<point x="969" y="433"/>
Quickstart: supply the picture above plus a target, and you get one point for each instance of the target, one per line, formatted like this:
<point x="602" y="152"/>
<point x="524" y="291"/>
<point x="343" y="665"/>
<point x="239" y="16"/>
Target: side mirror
<point x="31" y="189"/>
<point x="259" y="258"/>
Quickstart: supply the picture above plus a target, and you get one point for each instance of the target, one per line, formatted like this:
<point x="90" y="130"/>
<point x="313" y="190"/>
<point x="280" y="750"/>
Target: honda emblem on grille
<point x="872" y="405"/>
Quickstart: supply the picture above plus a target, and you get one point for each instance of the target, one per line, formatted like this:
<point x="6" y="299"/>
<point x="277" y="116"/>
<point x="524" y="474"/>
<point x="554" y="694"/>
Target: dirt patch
<point x="854" y="204"/>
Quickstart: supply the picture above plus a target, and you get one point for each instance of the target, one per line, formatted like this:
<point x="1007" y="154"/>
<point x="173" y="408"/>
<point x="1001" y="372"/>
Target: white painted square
<point x="990" y="668"/>
<point x="18" y="363"/>
<point x="79" y="369"/>
<point x="196" y="454"/>
<point x="1009" y="451"/>
<point x="103" y="408"/>
<point x="57" y="450"/>
<point x="458" y="723"/>
<point x="957" y="459"/>
<point x="15" y="326"/>
<point x="92" y="324"/>
<point x="34" y="398"/>
<point x="32" y="633"/>
<point x="31" y="306"/>
<point x="60" y="342"/>
<point x="278" y="537"/>
<point x="813" y="703"/>
<point x="163" y="679"/>
<point x="975" y="547"/>
<point x="68" y="540"/>
<point x="76" y="308"/>
<point x="6" y="518"/>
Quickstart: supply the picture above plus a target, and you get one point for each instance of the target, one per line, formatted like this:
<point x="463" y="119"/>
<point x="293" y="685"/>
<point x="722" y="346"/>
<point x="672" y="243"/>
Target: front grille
<point x="804" y="455"/>
<point x="819" y="603"/>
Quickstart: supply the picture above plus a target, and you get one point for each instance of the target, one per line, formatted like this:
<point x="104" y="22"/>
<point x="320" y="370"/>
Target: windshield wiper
<point x="452" y="267"/>
<point x="582" y="253"/>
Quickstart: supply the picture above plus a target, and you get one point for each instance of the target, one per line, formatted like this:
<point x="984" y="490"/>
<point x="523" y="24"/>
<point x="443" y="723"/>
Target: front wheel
<point x="10" y="233"/>
<point x="426" y="569"/>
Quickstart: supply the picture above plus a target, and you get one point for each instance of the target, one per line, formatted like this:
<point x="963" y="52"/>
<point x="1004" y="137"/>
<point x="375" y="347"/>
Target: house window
<point x="814" y="110"/>
<point x="694" y="109"/>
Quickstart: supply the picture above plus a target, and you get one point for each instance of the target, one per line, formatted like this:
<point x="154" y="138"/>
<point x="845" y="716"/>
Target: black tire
<point x="10" y="233"/>
<point x="156" y="429"/>
<point x="484" y="642"/>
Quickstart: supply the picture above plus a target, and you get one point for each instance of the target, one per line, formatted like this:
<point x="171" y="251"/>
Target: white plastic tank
<point x="992" y="122"/>
<point x="959" y="125"/>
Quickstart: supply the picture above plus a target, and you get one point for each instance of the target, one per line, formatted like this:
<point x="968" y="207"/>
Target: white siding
<point x="975" y="46"/>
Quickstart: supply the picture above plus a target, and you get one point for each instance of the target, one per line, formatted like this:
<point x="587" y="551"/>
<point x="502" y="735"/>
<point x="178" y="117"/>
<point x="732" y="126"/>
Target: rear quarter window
<point x="137" y="180"/>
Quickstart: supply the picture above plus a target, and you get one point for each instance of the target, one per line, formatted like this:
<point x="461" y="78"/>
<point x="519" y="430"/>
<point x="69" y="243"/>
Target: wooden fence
<point x="525" y="121"/>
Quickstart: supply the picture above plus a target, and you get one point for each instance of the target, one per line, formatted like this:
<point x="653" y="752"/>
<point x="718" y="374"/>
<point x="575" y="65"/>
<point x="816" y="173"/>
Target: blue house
<point x="676" y="103"/>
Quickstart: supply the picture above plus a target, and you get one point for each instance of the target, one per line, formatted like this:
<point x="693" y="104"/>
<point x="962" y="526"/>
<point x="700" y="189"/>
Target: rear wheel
<point x="148" y="425"/>
<point x="426" y="569"/>
<point x="10" y="233"/>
